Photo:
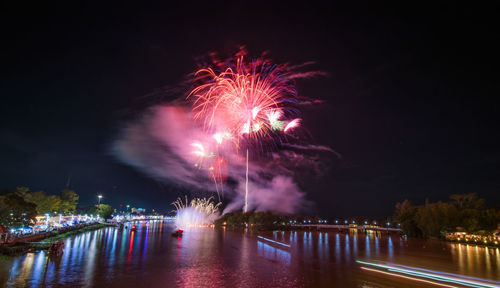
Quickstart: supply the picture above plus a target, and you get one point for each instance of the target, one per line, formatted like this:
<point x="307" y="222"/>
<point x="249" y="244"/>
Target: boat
<point x="134" y="228"/>
<point x="177" y="233"/>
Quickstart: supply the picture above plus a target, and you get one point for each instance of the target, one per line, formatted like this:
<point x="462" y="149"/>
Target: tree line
<point x="462" y="212"/>
<point x="20" y="206"/>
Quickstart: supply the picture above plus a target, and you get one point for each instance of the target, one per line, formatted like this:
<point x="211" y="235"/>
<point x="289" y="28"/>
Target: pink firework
<point x="254" y="99"/>
<point x="239" y="100"/>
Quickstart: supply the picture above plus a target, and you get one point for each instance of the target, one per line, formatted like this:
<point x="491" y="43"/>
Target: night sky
<point x="411" y="96"/>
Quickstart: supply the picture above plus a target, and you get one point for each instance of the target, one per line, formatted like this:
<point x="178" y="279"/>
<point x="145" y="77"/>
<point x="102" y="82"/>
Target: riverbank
<point x="22" y="248"/>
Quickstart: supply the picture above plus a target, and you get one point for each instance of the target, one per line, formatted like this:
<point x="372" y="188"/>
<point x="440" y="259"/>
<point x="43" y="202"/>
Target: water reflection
<point x="390" y="247"/>
<point x="273" y="253"/>
<point x="219" y="258"/>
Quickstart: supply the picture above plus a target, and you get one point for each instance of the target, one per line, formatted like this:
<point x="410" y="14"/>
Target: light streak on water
<point x="270" y="240"/>
<point x="436" y="275"/>
<point x="407" y="277"/>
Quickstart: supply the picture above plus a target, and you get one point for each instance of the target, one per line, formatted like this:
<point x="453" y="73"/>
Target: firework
<point x="292" y="124"/>
<point x="197" y="212"/>
<point x="245" y="101"/>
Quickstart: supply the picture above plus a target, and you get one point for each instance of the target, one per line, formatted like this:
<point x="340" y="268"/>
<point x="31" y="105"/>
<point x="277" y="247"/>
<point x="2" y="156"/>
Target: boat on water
<point x="177" y="233"/>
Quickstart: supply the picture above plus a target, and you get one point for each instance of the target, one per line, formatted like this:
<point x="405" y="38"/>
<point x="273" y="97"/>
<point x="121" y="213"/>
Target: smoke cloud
<point x="160" y="144"/>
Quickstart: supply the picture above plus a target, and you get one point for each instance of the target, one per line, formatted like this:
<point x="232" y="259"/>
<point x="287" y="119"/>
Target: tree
<point x="89" y="210"/>
<point x="263" y="219"/>
<point x="435" y="219"/>
<point x="69" y="200"/>
<point x="22" y="191"/>
<point x="467" y="201"/>
<point x="44" y="203"/>
<point x="4" y="209"/>
<point x="105" y="211"/>
<point x="490" y="219"/>
<point x="15" y="211"/>
<point x="405" y="215"/>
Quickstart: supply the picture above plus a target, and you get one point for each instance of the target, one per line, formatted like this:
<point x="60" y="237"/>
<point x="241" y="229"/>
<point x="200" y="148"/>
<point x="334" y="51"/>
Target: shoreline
<point x="22" y="248"/>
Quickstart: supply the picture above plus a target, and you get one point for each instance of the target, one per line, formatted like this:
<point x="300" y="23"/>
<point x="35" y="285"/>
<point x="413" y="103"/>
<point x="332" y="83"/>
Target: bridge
<point x="347" y="227"/>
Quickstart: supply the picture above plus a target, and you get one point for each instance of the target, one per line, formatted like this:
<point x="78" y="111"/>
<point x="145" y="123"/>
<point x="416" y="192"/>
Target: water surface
<point x="208" y="257"/>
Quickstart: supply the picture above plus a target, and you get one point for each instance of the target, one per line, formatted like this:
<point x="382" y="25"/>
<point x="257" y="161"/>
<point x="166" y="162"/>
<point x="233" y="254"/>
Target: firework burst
<point x="195" y="213"/>
<point x="240" y="100"/>
<point x="248" y="101"/>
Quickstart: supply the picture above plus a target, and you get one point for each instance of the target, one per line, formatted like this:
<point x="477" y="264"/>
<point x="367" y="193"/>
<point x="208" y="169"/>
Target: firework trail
<point x="197" y="212"/>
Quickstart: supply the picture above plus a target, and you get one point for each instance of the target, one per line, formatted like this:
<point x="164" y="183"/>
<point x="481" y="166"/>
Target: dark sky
<point x="411" y="100"/>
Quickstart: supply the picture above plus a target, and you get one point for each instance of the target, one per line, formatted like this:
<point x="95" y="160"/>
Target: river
<point x="210" y="257"/>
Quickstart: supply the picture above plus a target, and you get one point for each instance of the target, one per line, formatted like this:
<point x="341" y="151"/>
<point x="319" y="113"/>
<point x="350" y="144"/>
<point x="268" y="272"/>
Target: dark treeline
<point x="20" y="206"/>
<point x="257" y="220"/>
<point x="103" y="210"/>
<point x="463" y="212"/>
